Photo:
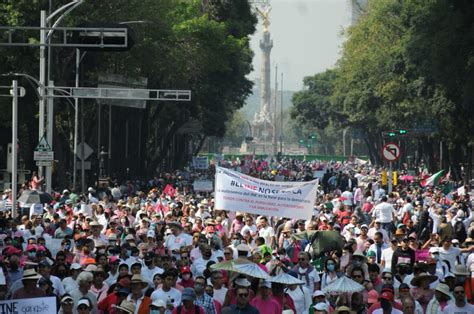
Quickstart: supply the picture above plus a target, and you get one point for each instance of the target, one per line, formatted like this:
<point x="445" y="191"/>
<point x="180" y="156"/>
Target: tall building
<point x="356" y="8"/>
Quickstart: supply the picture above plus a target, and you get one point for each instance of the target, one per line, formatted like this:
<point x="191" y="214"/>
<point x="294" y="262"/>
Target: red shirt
<point x="190" y="311"/>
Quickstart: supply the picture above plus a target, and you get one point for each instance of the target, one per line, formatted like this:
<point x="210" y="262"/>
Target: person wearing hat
<point x="441" y="299"/>
<point x="386" y="304"/>
<point x="449" y="253"/>
<point x="126" y="307"/>
<point x="84" y="306"/>
<point x="186" y="276"/>
<point x="120" y="293"/>
<point x="66" y="305"/>
<point x="242" y="305"/>
<point x="96" y="235"/>
<point x="403" y="254"/>
<point x="343" y="310"/>
<point x="264" y="301"/>
<point x="320" y="304"/>
<point x="69" y="283"/>
<point x="158" y="307"/>
<point x="231" y="295"/>
<point x="187" y="305"/>
<point x="421" y="291"/>
<point x="29" y="289"/>
<point x="138" y="284"/>
<point x="149" y="270"/>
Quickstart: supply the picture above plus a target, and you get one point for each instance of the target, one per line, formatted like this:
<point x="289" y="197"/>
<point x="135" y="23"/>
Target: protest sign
<point x="44" y="305"/>
<point x="203" y="186"/>
<point x="200" y="162"/>
<point x="36" y="209"/>
<point x="235" y="191"/>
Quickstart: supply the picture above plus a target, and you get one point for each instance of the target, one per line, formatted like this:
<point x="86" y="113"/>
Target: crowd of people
<point x="161" y="247"/>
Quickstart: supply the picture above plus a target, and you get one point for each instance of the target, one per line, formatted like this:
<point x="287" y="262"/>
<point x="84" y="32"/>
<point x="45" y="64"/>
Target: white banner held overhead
<point x="235" y="191"/>
<point x="203" y="186"/>
<point x="33" y="305"/>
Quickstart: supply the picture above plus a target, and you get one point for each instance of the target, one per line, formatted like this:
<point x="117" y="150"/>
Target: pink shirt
<point x="269" y="306"/>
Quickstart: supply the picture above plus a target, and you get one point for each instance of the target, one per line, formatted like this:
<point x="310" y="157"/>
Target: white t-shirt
<point x="387" y="257"/>
<point x="313" y="277"/>
<point x="384" y="212"/>
<point x="450" y="256"/>
<point x="219" y="294"/>
<point x="380" y="311"/>
<point x="172" y="296"/>
<point x="267" y="233"/>
<point x="453" y="309"/>
<point x="253" y="229"/>
<point x="176" y="242"/>
<point x="301" y="297"/>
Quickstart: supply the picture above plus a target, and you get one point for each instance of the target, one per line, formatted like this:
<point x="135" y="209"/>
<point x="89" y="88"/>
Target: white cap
<point x="434" y="249"/>
<point x="242" y="282"/>
<point x="75" y="266"/>
<point x="83" y="301"/>
<point x="150" y="234"/>
<point x="321" y="306"/>
<point x="318" y="293"/>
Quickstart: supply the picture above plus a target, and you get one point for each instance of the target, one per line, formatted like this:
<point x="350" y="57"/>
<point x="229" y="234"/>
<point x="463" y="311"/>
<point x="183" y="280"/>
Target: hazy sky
<point x="306" y="38"/>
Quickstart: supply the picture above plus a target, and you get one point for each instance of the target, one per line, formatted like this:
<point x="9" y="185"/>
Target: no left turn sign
<point x="391" y="152"/>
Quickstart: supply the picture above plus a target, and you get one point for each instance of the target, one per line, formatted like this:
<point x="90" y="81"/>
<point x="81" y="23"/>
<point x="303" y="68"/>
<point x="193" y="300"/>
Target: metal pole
<point x="42" y="80"/>
<point x="126" y="138"/>
<point x="76" y="122"/>
<point x="99" y="129"/>
<point x="14" y="146"/>
<point x="352" y="147"/>
<point x="83" y="170"/>
<point x="440" y="154"/>
<point x="390" y="176"/>
<point x="49" y="137"/>
<point x="274" y="140"/>
<point x="110" y="140"/>
<point x="344" y="142"/>
<point x="281" y="116"/>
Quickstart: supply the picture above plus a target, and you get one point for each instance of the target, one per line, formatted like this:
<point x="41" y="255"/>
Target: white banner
<point x="44" y="305"/>
<point x="235" y="191"/>
<point x="200" y="162"/>
<point x="203" y="186"/>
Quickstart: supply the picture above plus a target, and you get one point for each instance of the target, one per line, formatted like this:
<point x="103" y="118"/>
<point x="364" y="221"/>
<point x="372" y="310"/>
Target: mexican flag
<point x="433" y="180"/>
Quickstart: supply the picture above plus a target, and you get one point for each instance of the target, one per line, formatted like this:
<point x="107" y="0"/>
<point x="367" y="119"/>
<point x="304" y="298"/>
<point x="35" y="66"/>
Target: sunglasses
<point x="301" y="259"/>
<point x="243" y="295"/>
<point x="458" y="292"/>
<point x="387" y="278"/>
<point x="227" y="253"/>
<point x="356" y="276"/>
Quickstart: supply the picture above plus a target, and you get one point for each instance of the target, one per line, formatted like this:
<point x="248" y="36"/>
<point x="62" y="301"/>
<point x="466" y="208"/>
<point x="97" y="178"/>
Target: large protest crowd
<point x="160" y="246"/>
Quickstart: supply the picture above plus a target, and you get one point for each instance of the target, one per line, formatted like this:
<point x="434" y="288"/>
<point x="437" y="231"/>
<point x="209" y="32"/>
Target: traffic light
<point x="312" y="137"/>
<point x="301" y="141"/>
<point x="392" y="134"/>
<point x="395" y="178"/>
<point x="384" y="177"/>
<point x="308" y="145"/>
<point x="402" y="132"/>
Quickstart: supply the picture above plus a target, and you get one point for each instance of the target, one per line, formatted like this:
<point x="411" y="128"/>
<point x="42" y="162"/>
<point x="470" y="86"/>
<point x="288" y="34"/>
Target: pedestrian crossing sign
<point x="43" y="145"/>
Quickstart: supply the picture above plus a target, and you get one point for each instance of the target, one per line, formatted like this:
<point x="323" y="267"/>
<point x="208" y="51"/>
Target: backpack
<point x="460" y="231"/>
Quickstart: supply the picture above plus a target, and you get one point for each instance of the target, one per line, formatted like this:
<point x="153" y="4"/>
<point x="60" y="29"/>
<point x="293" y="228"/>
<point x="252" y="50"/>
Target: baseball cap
<point x="188" y="294"/>
<point x="386" y="295"/>
<point x="321" y="306"/>
<point x="185" y="269"/>
<point x="75" y="266"/>
<point x="266" y="284"/>
<point x="243" y="282"/>
<point x="318" y="293"/>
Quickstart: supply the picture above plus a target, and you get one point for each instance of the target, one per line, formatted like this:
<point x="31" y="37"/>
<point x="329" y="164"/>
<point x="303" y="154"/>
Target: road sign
<point x="43" y="145"/>
<point x="44" y="163"/>
<point x="87" y="165"/>
<point x="43" y="156"/>
<point x="391" y="152"/>
<point x="87" y="151"/>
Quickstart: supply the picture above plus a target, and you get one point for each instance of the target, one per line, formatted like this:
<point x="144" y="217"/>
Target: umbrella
<point x="35" y="197"/>
<point x="321" y="241"/>
<point x="343" y="285"/>
<point x="252" y="270"/>
<point x="286" y="279"/>
<point x="227" y="265"/>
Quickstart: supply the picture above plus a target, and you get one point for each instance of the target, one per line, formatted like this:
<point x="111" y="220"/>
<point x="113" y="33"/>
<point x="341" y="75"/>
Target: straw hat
<point x="138" y="279"/>
<point x="461" y="270"/>
<point x="30" y="274"/>
<point x="416" y="280"/>
<point x="443" y="288"/>
<point x="126" y="306"/>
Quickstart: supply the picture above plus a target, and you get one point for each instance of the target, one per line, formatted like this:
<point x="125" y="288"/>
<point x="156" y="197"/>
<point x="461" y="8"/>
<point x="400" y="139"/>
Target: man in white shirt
<point x="176" y="240"/>
<point x="347" y="197"/>
<point x="460" y="305"/>
<point x="167" y="293"/>
<point x="217" y="280"/>
<point x="266" y="232"/>
<point x="385" y="212"/>
<point x="149" y="270"/>
<point x="376" y="228"/>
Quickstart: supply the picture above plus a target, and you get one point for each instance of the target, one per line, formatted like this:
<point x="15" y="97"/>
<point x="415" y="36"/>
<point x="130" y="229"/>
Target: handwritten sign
<point x="31" y="306"/>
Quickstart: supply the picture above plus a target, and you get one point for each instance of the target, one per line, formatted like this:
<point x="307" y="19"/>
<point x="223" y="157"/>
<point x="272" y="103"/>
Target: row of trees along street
<point x="202" y="46"/>
<point x="404" y="65"/>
